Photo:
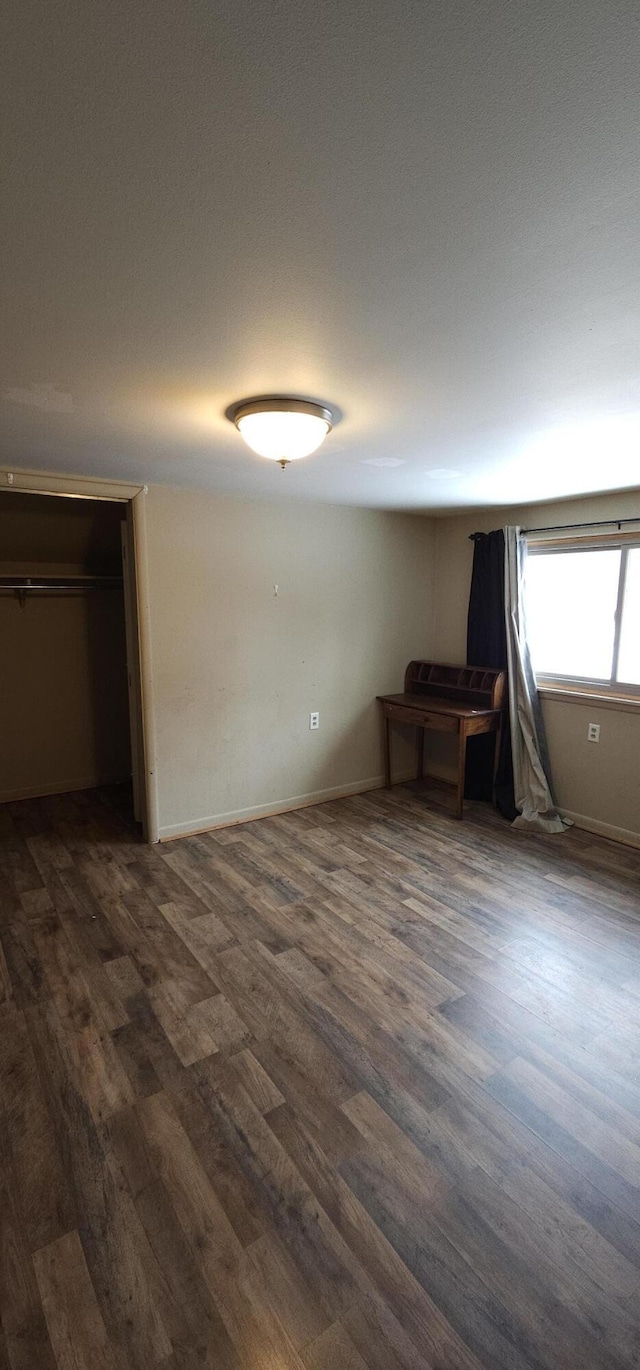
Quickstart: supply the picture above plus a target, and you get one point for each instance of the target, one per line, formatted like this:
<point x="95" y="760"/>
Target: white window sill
<point x="568" y="695"/>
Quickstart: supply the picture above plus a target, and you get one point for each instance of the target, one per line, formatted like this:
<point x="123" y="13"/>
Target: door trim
<point x="150" y="818"/>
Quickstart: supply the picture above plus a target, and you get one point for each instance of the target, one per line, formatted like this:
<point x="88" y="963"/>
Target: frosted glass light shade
<point x="282" y="429"/>
<point x="282" y="434"/>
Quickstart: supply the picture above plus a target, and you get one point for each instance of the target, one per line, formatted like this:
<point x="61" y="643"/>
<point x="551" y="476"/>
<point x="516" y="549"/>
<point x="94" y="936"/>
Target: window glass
<point x="571" y="600"/>
<point x="629" y="657"/>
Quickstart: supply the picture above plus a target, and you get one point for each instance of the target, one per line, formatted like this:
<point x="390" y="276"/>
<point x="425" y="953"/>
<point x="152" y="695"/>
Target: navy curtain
<point x="487" y="646"/>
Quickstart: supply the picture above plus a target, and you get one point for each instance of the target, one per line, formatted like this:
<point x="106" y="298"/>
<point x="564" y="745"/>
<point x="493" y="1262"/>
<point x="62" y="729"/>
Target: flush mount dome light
<point x="280" y="428"/>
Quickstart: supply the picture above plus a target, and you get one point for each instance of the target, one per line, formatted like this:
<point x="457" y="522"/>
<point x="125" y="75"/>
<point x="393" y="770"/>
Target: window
<point x="583" y="614"/>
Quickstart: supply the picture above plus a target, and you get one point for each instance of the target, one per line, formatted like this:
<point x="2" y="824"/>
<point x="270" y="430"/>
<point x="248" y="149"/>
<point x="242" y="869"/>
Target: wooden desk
<point x="461" y="700"/>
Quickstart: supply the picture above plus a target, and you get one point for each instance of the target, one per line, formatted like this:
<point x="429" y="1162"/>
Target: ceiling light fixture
<point x="281" y="428"/>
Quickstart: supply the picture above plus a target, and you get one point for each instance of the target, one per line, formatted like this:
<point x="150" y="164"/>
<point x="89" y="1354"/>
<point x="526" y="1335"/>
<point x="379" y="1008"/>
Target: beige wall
<point x="237" y="669"/>
<point x="600" y="783"/>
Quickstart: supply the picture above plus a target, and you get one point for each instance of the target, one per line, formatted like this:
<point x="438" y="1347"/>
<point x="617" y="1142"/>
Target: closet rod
<point x="57" y="582"/>
<point x="568" y="527"/>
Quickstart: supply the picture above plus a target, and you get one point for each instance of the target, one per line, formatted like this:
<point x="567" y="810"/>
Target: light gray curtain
<point x="532" y="790"/>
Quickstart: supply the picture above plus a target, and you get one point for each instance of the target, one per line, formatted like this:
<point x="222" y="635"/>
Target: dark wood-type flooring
<point x="357" y="1086"/>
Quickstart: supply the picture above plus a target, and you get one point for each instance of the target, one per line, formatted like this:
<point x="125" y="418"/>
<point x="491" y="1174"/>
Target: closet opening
<point x="69" y="656"/>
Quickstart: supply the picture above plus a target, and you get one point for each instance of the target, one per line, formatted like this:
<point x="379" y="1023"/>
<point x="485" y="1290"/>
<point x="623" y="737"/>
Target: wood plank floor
<point x="357" y="1086"/>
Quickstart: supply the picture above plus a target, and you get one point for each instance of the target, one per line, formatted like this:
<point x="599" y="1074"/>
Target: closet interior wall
<point x="63" y="663"/>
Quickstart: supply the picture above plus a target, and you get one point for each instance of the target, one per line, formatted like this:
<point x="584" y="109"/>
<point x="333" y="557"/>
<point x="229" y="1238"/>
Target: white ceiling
<point x="424" y="212"/>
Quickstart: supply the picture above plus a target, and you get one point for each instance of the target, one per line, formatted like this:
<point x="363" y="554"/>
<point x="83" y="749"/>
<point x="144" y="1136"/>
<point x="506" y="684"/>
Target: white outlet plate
<point x="593" y="732"/>
<point x="314" y="721"/>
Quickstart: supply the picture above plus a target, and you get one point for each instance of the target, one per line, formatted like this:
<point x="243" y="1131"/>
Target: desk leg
<point x="462" y="757"/>
<point x="420" y="744"/>
<point x="387" y="752"/>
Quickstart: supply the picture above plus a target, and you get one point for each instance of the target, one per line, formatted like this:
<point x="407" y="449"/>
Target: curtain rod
<point x="568" y="527"/>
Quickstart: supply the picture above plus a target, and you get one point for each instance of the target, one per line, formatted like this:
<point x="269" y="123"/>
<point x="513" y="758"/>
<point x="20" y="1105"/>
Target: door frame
<point x="134" y="496"/>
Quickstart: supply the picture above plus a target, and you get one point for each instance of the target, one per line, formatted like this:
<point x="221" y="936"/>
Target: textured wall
<point x="237" y="669"/>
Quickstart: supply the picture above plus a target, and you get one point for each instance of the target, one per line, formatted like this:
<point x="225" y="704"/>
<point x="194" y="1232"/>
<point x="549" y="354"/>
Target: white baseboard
<point x="302" y="801"/>
<point x="90" y="782"/>
<point x="627" y="836"/>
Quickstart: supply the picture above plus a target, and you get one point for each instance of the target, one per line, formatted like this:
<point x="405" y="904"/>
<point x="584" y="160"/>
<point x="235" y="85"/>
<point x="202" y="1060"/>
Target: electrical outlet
<point x="314" y="721"/>
<point x="593" y="732"/>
